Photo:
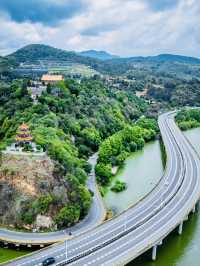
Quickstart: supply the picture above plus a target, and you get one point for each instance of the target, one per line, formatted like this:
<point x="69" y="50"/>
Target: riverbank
<point x="141" y="172"/>
<point x="188" y="119"/>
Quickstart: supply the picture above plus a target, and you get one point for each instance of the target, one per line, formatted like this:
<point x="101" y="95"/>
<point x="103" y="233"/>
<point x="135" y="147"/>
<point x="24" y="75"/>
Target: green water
<point x="142" y="171"/>
<point x="179" y="250"/>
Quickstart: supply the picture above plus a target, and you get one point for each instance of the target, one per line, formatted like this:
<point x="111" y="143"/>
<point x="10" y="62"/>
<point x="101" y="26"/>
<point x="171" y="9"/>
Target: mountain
<point x="101" y="55"/>
<point x="175" y="58"/>
<point x="161" y="58"/>
<point x="36" y="52"/>
<point x="5" y="64"/>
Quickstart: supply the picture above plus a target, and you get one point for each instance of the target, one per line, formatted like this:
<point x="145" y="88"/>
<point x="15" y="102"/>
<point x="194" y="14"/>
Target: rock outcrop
<point x="23" y="181"/>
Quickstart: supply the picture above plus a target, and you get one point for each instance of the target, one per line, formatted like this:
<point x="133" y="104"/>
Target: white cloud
<point x="125" y="27"/>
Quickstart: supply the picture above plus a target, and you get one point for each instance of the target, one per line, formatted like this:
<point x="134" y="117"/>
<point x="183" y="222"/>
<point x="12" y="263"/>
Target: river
<point x="179" y="250"/>
<point x="141" y="172"/>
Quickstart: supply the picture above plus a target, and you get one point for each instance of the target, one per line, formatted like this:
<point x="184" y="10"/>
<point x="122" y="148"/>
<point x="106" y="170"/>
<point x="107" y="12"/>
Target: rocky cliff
<point x="30" y="192"/>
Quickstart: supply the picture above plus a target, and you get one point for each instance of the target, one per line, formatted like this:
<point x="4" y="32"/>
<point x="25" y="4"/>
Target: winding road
<point x="145" y="225"/>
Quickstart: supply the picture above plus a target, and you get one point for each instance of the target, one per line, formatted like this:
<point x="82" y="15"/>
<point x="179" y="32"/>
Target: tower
<point x="23" y="135"/>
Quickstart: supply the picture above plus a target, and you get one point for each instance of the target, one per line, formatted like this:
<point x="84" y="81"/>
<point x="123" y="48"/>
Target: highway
<point x="145" y="225"/>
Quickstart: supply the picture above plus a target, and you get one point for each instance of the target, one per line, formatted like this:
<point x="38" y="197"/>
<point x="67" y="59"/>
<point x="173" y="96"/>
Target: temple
<point x="51" y="79"/>
<point x="24" y="144"/>
<point x="24" y="135"/>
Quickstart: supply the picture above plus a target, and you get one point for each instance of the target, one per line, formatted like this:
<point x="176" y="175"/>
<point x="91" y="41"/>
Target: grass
<point x="9" y="254"/>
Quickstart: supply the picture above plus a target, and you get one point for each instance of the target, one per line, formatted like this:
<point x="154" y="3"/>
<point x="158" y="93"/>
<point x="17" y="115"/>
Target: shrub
<point x="119" y="186"/>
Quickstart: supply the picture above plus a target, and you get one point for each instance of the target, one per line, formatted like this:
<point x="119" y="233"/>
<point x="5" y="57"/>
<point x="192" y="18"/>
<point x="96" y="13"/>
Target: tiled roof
<point x="52" y="78"/>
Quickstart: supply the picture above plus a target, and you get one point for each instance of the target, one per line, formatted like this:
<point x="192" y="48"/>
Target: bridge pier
<point x="180" y="228"/>
<point x="194" y="209"/>
<point x="154" y="252"/>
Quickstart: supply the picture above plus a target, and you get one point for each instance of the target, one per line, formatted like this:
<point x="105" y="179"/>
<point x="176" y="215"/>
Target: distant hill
<point x="5" y="64"/>
<point x="101" y="55"/>
<point x="174" y="58"/>
<point x="98" y="60"/>
<point x="38" y="52"/>
<point x="163" y="58"/>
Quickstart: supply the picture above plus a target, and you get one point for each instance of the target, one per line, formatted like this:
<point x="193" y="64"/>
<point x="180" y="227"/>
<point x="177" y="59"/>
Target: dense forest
<point x="188" y="118"/>
<point x="116" y="148"/>
<point x="69" y="121"/>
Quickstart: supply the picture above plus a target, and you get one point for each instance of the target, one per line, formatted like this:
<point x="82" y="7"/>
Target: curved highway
<point x="145" y="225"/>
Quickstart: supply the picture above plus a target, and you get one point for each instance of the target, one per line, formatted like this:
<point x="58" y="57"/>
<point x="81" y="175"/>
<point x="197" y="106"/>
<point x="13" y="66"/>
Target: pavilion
<point x="23" y="135"/>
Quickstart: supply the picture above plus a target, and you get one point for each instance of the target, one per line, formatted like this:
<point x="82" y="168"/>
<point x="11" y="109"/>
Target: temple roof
<point x="23" y="134"/>
<point x="24" y="127"/>
<point x="54" y="78"/>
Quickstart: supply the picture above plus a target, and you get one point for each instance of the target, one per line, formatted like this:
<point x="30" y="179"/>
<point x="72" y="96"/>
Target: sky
<point x="121" y="27"/>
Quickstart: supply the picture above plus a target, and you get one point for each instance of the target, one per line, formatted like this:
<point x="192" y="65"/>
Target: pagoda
<point x="23" y="135"/>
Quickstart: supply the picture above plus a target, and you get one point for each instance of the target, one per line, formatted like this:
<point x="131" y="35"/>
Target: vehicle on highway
<point x="48" y="261"/>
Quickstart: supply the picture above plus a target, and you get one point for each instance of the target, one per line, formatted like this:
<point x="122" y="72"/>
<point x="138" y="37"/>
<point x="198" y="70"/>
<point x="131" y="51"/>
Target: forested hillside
<point x="5" y="65"/>
<point x="35" y="52"/>
<point x="69" y="122"/>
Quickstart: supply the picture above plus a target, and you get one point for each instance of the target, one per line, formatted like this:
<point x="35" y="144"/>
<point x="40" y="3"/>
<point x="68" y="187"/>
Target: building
<point x="23" y="135"/>
<point x="51" y="79"/>
<point x="36" y="91"/>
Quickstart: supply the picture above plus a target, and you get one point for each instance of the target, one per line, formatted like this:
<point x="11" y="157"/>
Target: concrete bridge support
<point x="180" y="228"/>
<point x="194" y="209"/>
<point x="154" y="252"/>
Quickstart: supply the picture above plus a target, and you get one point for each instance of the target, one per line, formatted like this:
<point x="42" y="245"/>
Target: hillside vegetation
<point x="116" y="148"/>
<point x="188" y="119"/>
<point x="35" y="52"/>
<point x="167" y="79"/>
<point x="29" y="189"/>
<point x="69" y="123"/>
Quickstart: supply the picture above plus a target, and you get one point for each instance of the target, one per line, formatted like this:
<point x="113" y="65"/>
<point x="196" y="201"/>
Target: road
<point x="145" y="225"/>
<point x="95" y="217"/>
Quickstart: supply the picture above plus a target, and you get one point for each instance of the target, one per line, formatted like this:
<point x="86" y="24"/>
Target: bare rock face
<point x="24" y="180"/>
<point x="26" y="173"/>
<point x="43" y="221"/>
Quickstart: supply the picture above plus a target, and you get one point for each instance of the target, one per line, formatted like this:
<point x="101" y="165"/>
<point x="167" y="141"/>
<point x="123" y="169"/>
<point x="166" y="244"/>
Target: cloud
<point x="124" y="27"/>
<point x="44" y="11"/>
